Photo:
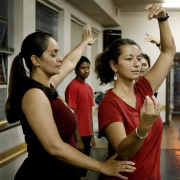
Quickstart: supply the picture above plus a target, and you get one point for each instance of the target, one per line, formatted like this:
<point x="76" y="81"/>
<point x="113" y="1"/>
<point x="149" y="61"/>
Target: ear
<point x="113" y="65"/>
<point x="35" y="60"/>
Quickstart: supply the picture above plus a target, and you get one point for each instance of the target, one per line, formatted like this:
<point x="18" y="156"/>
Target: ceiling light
<point x="171" y="5"/>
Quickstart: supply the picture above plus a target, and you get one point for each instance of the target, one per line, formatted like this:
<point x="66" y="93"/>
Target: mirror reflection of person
<point x="129" y="115"/>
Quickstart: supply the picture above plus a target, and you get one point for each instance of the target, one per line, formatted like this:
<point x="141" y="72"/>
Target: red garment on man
<point x="114" y="109"/>
<point x="79" y="96"/>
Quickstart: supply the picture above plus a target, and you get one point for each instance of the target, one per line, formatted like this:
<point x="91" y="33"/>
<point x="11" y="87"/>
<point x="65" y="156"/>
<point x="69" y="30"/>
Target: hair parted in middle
<point x="102" y="66"/>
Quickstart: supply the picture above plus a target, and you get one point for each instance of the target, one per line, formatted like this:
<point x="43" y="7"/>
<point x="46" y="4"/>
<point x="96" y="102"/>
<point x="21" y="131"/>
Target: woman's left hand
<point x="155" y="11"/>
<point x="87" y="36"/>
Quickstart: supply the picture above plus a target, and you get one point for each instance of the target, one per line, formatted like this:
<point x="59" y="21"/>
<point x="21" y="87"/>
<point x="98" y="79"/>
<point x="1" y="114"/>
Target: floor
<point x="170" y="152"/>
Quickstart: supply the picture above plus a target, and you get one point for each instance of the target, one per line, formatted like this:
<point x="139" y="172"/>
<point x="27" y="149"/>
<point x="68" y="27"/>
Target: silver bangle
<point x="140" y="136"/>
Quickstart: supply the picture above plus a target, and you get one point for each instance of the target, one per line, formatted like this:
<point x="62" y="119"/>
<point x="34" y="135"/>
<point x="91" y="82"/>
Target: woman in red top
<point x="129" y="114"/>
<point x="48" y="122"/>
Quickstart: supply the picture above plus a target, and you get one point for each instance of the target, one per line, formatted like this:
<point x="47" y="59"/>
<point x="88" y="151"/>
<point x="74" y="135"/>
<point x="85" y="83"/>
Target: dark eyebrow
<point x="55" y="50"/>
<point x="129" y="55"/>
<point x="132" y="55"/>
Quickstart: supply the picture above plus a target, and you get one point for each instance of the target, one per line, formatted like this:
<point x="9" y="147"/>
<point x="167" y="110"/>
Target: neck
<point x="124" y="88"/>
<point x="41" y="78"/>
<point x="80" y="79"/>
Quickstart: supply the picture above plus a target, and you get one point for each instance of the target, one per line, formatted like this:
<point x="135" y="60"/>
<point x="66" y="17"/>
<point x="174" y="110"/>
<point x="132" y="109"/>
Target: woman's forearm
<point x="74" y="157"/>
<point x="167" y="40"/>
<point x="130" y="145"/>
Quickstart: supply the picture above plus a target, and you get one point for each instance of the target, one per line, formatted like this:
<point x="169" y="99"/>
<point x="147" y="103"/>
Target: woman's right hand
<point x="151" y="38"/>
<point x="149" y="113"/>
<point x="112" y="167"/>
<point x="87" y="36"/>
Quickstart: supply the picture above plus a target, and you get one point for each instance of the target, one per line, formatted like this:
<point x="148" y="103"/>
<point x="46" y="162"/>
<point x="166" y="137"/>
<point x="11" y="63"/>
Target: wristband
<point x="163" y="19"/>
<point x="140" y="136"/>
<point x="158" y="44"/>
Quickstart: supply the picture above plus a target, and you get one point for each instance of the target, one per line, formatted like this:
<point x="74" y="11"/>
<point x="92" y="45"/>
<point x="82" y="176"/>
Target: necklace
<point x="59" y="97"/>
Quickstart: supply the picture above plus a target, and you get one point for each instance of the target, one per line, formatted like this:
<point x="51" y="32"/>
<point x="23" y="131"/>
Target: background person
<point x="152" y="39"/>
<point x="47" y="121"/>
<point x="79" y="96"/>
<point x="129" y="114"/>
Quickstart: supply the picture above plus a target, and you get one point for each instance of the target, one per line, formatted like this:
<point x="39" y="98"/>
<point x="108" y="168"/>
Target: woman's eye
<point x="139" y="59"/>
<point x="129" y="59"/>
<point x="53" y="55"/>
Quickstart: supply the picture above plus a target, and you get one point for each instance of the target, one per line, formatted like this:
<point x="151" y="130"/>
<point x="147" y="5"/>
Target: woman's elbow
<point x="55" y="150"/>
<point x="124" y="156"/>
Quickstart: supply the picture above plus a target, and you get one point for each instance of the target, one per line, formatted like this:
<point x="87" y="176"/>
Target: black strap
<point x="163" y="19"/>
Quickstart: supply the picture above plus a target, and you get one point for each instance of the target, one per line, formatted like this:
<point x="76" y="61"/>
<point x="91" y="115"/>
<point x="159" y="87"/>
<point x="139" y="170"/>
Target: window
<point x="6" y="47"/>
<point x="6" y="26"/>
<point x="76" y="36"/>
<point x="46" y="20"/>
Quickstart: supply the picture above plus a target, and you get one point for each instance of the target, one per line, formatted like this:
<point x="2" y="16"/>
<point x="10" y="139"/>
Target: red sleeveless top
<point x="66" y="122"/>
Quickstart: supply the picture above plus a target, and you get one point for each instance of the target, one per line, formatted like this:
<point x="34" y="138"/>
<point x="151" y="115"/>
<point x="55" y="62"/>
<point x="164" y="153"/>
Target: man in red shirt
<point x="79" y="96"/>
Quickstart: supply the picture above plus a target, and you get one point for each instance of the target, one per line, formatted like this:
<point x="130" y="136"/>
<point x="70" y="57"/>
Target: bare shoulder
<point x="33" y="94"/>
<point x="34" y="98"/>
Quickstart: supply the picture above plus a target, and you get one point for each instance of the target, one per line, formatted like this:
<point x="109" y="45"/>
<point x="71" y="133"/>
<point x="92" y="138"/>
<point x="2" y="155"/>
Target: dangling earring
<point x="115" y="76"/>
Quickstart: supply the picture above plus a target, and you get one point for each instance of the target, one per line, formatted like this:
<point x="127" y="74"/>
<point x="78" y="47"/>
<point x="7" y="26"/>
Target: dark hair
<point x="102" y="67"/>
<point x="83" y="59"/>
<point x="147" y="58"/>
<point x="19" y="81"/>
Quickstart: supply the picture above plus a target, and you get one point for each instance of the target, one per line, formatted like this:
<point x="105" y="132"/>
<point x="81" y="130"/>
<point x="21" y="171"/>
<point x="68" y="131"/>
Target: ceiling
<point x="92" y="9"/>
<point x="138" y="5"/>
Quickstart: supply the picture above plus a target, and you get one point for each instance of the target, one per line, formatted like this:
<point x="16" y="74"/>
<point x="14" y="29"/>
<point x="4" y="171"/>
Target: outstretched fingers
<point x="127" y="166"/>
<point x="88" y="36"/>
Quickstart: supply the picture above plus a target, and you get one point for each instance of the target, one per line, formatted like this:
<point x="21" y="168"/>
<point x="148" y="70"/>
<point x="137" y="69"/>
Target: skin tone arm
<point x="93" y="142"/>
<point x="128" y="146"/>
<point x="152" y="39"/>
<point x="168" y="50"/>
<point x="71" y="59"/>
<point x="38" y="112"/>
<point x="79" y="143"/>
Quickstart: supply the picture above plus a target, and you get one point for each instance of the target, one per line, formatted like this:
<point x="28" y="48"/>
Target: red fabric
<point x="147" y="159"/>
<point x="79" y="96"/>
<point x="66" y="123"/>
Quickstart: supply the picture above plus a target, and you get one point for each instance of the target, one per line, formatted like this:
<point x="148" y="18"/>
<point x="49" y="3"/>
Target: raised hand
<point x="149" y="112"/>
<point x="151" y="38"/>
<point x="155" y="11"/>
<point x="113" y="167"/>
<point x="87" y="36"/>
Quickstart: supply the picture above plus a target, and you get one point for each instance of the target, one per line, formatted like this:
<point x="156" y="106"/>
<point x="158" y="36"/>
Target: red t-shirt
<point x="114" y="109"/>
<point x="79" y="96"/>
